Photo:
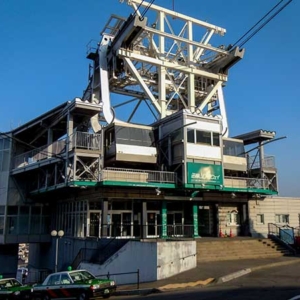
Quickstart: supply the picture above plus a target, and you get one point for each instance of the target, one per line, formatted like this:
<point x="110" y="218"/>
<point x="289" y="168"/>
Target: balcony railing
<point x="85" y="140"/>
<point x="268" y="162"/>
<point x="133" y="175"/>
<point x="52" y="150"/>
<point x="82" y="140"/>
<point x="244" y="183"/>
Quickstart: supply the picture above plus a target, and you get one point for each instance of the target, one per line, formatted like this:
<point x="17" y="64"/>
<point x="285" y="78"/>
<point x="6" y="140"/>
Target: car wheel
<point x="83" y="296"/>
<point x="46" y="297"/>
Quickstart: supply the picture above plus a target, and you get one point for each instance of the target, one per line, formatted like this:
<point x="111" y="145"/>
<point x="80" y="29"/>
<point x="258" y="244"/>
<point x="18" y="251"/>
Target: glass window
<point x="65" y="279"/>
<point x="216" y="139"/>
<point x="260" y="219"/>
<point x="12" y="210"/>
<point x="203" y="137"/>
<point x="233" y="148"/>
<point x="190" y="135"/>
<point x="281" y="218"/>
<point x="232" y="218"/>
<point x="2" y="209"/>
<point x="54" y="279"/>
<point x="1" y="225"/>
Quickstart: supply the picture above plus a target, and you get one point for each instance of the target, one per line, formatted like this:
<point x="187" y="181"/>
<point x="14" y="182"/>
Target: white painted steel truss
<point x="161" y="60"/>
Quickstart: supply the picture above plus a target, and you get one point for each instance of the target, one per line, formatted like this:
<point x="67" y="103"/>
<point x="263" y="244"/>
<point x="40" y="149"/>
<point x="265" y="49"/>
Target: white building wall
<point x="269" y="207"/>
<point x="155" y="260"/>
<point x="131" y="257"/>
<point x="175" y="257"/>
<point x="202" y="151"/>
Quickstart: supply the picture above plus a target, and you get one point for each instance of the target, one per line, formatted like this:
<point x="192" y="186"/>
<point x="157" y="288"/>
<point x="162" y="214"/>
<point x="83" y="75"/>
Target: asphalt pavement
<point x="209" y="273"/>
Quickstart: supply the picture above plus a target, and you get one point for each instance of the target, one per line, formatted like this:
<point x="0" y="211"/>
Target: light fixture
<point x="158" y="191"/>
<point x="233" y="195"/>
<point x="58" y="234"/>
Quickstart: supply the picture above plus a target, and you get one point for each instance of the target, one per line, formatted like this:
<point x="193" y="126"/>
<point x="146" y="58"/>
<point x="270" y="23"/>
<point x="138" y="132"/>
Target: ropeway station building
<point x="81" y="169"/>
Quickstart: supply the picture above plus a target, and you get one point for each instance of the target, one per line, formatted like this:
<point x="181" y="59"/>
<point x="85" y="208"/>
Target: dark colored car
<point x="77" y="284"/>
<point x="11" y="288"/>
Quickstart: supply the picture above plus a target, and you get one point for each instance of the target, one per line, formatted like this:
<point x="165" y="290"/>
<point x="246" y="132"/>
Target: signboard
<point x="195" y="220"/>
<point x="198" y="173"/>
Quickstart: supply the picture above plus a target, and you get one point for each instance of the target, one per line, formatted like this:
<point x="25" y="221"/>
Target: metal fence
<point x="136" y="231"/>
<point x="83" y="140"/>
<point x="109" y="275"/>
<point x="267" y="162"/>
<point x="134" y="175"/>
<point x="244" y="182"/>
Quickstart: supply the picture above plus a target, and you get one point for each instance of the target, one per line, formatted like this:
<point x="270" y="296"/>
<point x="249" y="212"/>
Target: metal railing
<point x="244" y="182"/>
<point x="52" y="150"/>
<point x="285" y="233"/>
<point x="83" y="140"/>
<point x="135" y="175"/>
<point x="108" y="276"/>
<point x="268" y="162"/>
<point x="136" y="231"/>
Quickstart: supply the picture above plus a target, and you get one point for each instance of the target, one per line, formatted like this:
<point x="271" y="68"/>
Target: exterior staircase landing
<point x="218" y="249"/>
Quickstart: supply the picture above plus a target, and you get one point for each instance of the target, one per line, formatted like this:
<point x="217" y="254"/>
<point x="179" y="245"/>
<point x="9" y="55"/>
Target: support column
<point x="164" y="234"/>
<point x="104" y="218"/>
<point x="70" y="128"/>
<point x="144" y="220"/>
<point x="261" y="163"/>
<point x="195" y="221"/>
<point x="49" y="142"/>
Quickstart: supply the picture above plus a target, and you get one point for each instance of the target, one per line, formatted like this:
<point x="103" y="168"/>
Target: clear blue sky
<point x="42" y="64"/>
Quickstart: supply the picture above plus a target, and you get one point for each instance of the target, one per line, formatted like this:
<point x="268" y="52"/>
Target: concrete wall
<point x="175" y="257"/>
<point x="269" y="207"/>
<point x="155" y="260"/>
<point x="130" y="258"/>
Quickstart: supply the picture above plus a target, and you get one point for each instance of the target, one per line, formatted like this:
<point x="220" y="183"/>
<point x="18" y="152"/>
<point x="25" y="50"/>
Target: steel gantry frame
<point x="159" y="60"/>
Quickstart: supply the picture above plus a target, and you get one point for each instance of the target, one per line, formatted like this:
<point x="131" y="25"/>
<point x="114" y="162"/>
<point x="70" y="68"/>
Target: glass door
<point x="152" y="222"/>
<point x="116" y="225"/>
<point x="126" y="224"/>
<point x="94" y="225"/>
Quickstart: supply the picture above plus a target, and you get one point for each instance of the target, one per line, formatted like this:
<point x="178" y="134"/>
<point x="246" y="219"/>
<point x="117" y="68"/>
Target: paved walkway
<point x="213" y="272"/>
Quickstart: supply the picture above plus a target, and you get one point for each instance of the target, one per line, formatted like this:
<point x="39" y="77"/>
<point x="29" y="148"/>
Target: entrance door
<point x="152" y="224"/>
<point x="126" y="224"/>
<point x="116" y="225"/>
<point x="95" y="224"/>
<point x="175" y="224"/>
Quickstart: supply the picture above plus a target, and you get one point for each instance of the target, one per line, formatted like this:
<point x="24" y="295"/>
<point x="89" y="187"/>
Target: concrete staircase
<point x="217" y="249"/>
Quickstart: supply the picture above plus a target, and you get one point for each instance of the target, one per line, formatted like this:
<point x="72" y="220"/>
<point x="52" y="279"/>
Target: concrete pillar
<point x="164" y="220"/>
<point x="195" y="220"/>
<point x="104" y="218"/>
<point x="144" y="220"/>
<point x="261" y="163"/>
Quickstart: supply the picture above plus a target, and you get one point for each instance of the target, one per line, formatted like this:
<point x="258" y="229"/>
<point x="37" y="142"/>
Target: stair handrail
<point x="276" y="230"/>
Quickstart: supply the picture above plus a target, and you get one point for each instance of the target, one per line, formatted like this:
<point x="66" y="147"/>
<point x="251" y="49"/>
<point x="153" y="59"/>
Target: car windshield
<point x="81" y="276"/>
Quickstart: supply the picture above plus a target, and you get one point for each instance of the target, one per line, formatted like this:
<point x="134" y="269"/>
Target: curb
<point x="142" y="292"/>
<point x="250" y="270"/>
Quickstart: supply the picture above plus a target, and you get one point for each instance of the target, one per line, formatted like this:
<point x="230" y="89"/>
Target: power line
<point x="243" y="42"/>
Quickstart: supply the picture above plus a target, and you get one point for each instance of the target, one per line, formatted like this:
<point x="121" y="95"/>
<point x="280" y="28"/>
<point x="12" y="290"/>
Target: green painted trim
<point x="249" y="190"/>
<point x="230" y="189"/>
<point x="195" y="221"/>
<point x="164" y="233"/>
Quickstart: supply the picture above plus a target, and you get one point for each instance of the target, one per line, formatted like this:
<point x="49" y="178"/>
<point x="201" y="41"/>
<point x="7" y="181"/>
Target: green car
<point x="77" y="284"/>
<point x="11" y="288"/>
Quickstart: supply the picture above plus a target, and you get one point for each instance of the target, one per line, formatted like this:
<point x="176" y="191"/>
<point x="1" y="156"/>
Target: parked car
<point x="11" y="288"/>
<point x="76" y="284"/>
